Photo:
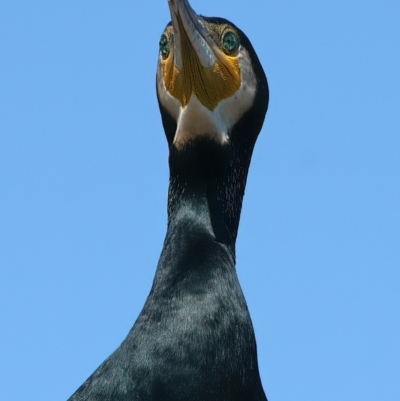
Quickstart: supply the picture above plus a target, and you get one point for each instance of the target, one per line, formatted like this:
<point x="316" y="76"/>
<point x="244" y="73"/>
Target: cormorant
<point x="194" y="338"/>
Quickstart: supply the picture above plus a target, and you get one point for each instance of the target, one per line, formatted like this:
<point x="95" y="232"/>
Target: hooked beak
<point x="196" y="64"/>
<point x="190" y="34"/>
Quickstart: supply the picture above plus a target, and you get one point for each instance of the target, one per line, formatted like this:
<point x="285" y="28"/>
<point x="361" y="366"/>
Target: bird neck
<point x="207" y="182"/>
<point x="205" y="196"/>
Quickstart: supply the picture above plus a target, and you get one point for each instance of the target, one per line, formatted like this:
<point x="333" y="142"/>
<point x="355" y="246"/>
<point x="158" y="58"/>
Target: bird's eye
<point x="164" y="46"/>
<point x="230" y="42"/>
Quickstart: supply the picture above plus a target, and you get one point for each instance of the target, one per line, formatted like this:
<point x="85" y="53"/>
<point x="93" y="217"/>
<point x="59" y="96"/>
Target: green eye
<point x="164" y="46"/>
<point x="230" y="42"/>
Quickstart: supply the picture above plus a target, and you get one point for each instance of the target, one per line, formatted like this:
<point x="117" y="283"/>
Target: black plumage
<point x="194" y="338"/>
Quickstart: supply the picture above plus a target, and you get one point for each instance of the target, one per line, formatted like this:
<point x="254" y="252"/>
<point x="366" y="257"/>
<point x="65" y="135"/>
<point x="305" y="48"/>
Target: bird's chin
<point x="196" y="120"/>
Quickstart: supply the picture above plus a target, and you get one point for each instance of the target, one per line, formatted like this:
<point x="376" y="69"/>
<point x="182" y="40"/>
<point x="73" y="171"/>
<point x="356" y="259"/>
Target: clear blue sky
<point x="83" y="190"/>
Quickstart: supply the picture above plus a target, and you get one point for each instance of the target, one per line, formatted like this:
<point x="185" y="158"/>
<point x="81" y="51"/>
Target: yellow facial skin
<point x="210" y="85"/>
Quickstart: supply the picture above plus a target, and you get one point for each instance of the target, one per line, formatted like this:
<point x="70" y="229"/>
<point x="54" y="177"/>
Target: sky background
<point x="84" y="178"/>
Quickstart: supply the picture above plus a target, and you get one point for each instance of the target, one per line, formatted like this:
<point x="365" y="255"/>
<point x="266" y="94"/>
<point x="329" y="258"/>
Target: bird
<point x="194" y="338"/>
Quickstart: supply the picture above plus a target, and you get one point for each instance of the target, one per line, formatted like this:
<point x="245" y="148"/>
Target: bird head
<point x="208" y="78"/>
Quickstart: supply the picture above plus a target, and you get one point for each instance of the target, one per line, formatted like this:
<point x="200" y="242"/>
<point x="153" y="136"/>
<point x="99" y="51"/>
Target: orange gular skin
<point x="210" y="85"/>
